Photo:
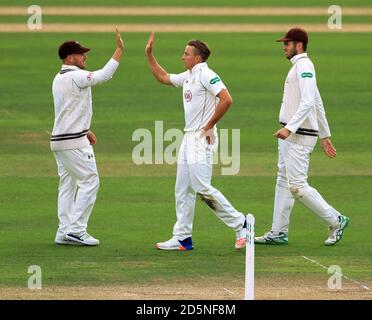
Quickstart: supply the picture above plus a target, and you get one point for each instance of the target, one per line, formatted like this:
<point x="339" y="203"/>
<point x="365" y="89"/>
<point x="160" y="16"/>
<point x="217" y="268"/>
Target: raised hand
<point x="120" y="42"/>
<point x="150" y="43"/>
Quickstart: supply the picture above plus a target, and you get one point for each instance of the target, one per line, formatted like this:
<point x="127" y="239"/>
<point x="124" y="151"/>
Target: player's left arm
<point x="213" y="83"/>
<point x="84" y="79"/>
<point x="324" y="131"/>
<point x="328" y="147"/>
<point x="224" y="103"/>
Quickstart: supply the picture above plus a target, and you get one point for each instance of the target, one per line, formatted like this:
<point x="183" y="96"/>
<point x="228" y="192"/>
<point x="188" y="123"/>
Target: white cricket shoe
<point x="64" y="241"/>
<point x="84" y="239"/>
<point x="272" y="238"/>
<point x="175" y="244"/>
<point x="241" y="239"/>
<point x="335" y="232"/>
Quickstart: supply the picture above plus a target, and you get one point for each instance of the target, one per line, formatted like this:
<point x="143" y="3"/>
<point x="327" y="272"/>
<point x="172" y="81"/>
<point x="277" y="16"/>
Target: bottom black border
<point x="188" y="309"/>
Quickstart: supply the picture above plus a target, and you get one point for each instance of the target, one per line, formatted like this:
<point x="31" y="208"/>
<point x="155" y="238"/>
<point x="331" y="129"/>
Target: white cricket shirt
<point x="73" y="104"/>
<point x="302" y="110"/>
<point x="201" y="86"/>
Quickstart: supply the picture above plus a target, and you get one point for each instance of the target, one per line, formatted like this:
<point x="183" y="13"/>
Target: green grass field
<point x="135" y="205"/>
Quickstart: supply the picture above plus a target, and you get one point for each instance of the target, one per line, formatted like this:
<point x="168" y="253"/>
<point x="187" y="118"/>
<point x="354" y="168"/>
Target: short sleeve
<point x="212" y="82"/>
<point x="177" y="80"/>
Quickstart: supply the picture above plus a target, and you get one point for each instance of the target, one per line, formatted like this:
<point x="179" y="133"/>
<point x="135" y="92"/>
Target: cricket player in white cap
<point x="71" y="140"/>
<point x="205" y="101"/>
<point x="303" y="119"/>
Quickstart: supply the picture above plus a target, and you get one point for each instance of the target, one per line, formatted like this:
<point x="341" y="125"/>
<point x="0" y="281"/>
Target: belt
<point x="303" y="131"/>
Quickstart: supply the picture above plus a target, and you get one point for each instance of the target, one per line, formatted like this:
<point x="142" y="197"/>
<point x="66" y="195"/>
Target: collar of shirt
<point x="197" y="67"/>
<point x="298" y="57"/>
<point x="68" y="66"/>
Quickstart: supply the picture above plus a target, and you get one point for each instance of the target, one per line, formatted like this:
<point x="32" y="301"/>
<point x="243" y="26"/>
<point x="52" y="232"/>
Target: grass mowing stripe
<point x="206" y="3"/>
<point x="185" y="28"/>
<point x="186" y="11"/>
<point x="252" y="164"/>
<point x="186" y="19"/>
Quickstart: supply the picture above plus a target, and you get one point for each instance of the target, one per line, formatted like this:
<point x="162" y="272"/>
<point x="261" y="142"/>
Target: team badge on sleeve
<point x="214" y="80"/>
<point x="306" y="75"/>
<point x="90" y="76"/>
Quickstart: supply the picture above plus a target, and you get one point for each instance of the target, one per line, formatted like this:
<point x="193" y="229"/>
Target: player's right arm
<point x="156" y="69"/>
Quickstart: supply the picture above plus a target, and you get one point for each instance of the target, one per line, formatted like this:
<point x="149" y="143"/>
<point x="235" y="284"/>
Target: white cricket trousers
<point x="291" y="185"/>
<point x="78" y="187"/>
<point x="194" y="174"/>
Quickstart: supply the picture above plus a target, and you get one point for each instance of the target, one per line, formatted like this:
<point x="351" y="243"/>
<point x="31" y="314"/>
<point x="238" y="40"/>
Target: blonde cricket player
<point x="205" y="101"/>
<point x="303" y="119"/>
